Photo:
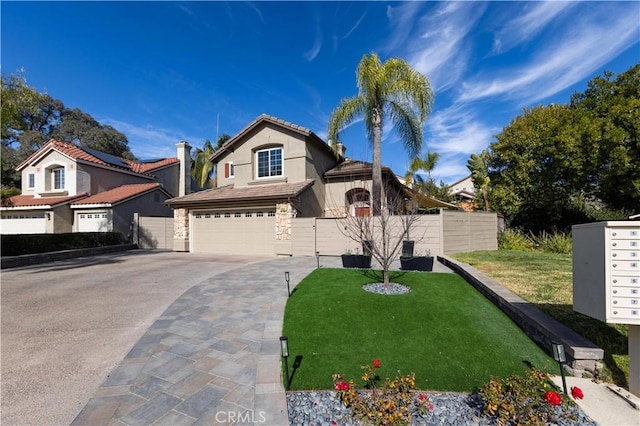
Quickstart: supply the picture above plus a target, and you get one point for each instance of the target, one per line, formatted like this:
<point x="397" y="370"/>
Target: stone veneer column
<point x="180" y="230"/>
<point x="284" y="213"/>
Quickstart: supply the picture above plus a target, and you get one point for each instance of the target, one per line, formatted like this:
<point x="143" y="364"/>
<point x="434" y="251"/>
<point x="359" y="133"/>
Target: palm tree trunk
<point x="377" y="165"/>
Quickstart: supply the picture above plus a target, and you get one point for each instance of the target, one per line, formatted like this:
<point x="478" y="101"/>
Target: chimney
<point x="184" y="156"/>
<point x="339" y="147"/>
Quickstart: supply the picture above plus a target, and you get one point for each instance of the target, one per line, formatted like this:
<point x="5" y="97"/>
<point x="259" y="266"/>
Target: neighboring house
<point x="68" y="188"/>
<point x="269" y="173"/>
<point x="465" y="193"/>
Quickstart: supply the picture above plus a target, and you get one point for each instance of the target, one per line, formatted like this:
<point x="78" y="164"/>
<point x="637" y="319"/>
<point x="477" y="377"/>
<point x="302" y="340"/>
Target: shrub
<point x="528" y="400"/>
<point x="15" y="245"/>
<point x="512" y="239"/>
<point x="558" y="242"/>
<point x="395" y="402"/>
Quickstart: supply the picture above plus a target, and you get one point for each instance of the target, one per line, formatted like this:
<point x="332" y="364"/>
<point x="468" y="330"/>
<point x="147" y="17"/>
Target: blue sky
<point x="161" y="72"/>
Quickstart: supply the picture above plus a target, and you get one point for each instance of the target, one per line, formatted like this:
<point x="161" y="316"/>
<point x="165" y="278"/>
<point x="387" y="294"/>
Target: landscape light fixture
<point x="286" y="277"/>
<point x="317" y="260"/>
<point x="561" y="358"/>
<point x="284" y="351"/>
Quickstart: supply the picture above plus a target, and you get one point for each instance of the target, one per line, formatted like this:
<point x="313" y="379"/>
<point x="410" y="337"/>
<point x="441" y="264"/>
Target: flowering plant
<point x="576" y="392"/>
<point x="524" y="400"/>
<point x="393" y="402"/>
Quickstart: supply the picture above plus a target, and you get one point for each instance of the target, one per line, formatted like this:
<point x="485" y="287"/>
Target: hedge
<point x="15" y="245"/>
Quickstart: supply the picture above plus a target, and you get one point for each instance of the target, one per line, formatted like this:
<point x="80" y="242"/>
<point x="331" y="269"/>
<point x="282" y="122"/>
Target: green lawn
<point x="545" y="280"/>
<point x="443" y="330"/>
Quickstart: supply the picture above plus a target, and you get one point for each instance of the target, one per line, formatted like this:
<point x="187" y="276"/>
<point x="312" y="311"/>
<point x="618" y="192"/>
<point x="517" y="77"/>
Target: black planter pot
<point x="417" y="263"/>
<point x="356" y="261"/>
<point x="407" y="248"/>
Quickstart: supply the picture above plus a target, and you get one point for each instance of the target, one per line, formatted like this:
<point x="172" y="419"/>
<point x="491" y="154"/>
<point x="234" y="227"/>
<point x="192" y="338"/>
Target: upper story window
<point x="269" y="162"/>
<point x="57" y="176"/>
<point x="228" y="170"/>
<point x="31" y="180"/>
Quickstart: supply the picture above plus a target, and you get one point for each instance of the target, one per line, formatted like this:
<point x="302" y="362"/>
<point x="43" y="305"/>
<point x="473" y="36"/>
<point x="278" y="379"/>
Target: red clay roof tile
<point x="118" y="194"/>
<point x="31" y="201"/>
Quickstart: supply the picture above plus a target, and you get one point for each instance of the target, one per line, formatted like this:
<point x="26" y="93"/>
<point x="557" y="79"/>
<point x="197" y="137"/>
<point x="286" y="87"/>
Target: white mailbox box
<point x="606" y="280"/>
<point x="606" y="271"/>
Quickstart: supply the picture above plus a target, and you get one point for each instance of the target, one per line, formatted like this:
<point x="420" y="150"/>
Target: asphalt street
<point x="66" y="325"/>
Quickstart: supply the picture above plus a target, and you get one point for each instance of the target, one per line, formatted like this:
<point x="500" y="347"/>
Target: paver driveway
<point x="67" y="325"/>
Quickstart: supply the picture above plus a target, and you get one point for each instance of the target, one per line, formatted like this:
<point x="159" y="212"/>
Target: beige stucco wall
<point x="265" y="136"/>
<point x="335" y="201"/>
<point x="43" y="178"/>
<point x="61" y="220"/>
<point x="169" y="177"/>
<point x="96" y="179"/>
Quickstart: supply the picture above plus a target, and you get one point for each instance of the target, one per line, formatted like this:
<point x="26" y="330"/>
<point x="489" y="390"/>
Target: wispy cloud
<point x="566" y="58"/>
<point x="439" y="49"/>
<point x="457" y="130"/>
<point x="354" y="27"/>
<point x="311" y="54"/>
<point x="401" y="20"/>
<point x="536" y="17"/>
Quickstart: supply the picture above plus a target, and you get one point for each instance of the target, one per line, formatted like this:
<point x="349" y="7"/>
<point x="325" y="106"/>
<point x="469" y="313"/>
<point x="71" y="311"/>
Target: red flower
<point x="552" y="397"/>
<point x="376" y="363"/>
<point x="576" y="392"/>
<point x="342" y="386"/>
<point x="422" y="397"/>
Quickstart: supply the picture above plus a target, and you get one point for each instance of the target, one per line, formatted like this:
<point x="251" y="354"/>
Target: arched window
<point x="358" y="202"/>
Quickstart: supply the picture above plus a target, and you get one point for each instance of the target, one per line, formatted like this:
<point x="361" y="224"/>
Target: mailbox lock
<point x="615" y="302"/>
<point x="615" y="254"/>
<point x="615" y="281"/>
<point x="615" y="291"/>
<point x="615" y="244"/>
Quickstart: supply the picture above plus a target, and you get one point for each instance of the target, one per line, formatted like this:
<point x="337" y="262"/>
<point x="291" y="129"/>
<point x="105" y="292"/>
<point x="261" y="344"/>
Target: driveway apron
<point x="213" y="357"/>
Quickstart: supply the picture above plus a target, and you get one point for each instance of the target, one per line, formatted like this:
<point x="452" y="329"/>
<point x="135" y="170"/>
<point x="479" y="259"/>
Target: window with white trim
<point x="57" y="178"/>
<point x="269" y="162"/>
<point x="232" y="172"/>
<point x="31" y="180"/>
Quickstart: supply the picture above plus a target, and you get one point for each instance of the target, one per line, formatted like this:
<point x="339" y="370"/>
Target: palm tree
<point x="390" y="90"/>
<point x="202" y="169"/>
<point x="478" y="166"/>
<point x="428" y="163"/>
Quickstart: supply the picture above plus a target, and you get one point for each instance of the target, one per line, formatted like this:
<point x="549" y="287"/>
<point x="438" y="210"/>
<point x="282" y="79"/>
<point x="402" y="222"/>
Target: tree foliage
<point x="552" y="162"/>
<point x="202" y="169"/>
<point x="479" y="168"/>
<point x="386" y="90"/>
<point x="30" y="119"/>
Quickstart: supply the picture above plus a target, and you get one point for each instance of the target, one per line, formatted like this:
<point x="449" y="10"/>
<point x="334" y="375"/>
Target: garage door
<point x="23" y="223"/>
<point x="93" y="222"/>
<point x="234" y="231"/>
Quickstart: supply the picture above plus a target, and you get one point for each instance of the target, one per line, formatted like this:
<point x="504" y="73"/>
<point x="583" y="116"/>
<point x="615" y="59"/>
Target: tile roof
<point x="251" y="193"/>
<point x="266" y="118"/>
<point x="353" y="167"/>
<point x="119" y="194"/>
<point x="31" y="201"/>
<point x="77" y="153"/>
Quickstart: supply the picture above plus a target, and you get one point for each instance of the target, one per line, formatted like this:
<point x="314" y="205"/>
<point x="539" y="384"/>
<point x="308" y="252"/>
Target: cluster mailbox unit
<point x="606" y="280"/>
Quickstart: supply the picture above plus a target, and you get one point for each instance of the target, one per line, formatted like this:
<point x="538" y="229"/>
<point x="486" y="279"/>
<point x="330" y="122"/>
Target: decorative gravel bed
<point x="323" y="408"/>
<point x="394" y="288"/>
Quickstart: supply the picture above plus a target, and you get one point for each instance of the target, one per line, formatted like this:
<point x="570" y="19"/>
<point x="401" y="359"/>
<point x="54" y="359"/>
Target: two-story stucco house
<point x="269" y="173"/>
<point x="68" y="188"/>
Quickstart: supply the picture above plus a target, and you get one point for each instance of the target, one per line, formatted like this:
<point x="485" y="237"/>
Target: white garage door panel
<point x="30" y="223"/>
<point x="248" y="233"/>
<point x="93" y="222"/>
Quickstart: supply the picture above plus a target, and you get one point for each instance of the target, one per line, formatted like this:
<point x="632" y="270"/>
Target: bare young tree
<point x="383" y="235"/>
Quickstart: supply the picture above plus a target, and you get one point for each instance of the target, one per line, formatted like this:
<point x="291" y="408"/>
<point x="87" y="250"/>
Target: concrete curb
<point x="35" y="259"/>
